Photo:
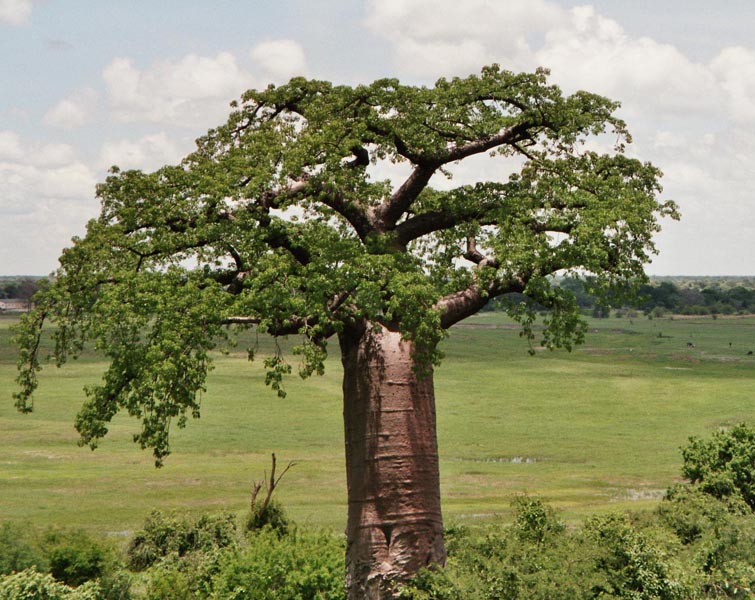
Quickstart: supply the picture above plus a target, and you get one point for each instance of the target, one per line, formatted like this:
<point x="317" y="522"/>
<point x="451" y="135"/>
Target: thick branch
<point x="438" y="220"/>
<point x="350" y="210"/>
<point x="474" y="255"/>
<point x="462" y="304"/>
<point x="278" y="237"/>
<point x="388" y="213"/>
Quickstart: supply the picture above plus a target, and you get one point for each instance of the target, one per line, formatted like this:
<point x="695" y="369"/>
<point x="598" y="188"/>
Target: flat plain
<point x="596" y="429"/>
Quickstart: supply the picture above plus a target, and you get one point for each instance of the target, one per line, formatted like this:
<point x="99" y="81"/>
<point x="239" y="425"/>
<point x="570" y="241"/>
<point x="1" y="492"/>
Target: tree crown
<point x="281" y="219"/>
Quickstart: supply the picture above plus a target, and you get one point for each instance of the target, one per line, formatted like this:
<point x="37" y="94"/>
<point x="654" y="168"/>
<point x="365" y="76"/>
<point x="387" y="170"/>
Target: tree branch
<point x="510" y="135"/>
<point x="388" y="213"/>
<point x="474" y="255"/>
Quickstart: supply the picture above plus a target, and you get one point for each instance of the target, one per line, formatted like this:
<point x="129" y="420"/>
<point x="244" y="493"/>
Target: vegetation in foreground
<point x="696" y="545"/>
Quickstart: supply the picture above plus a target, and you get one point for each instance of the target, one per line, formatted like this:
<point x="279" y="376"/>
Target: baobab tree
<point x="280" y="220"/>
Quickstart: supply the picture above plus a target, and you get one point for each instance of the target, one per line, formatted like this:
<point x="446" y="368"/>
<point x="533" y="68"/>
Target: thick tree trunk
<point x="394" y="524"/>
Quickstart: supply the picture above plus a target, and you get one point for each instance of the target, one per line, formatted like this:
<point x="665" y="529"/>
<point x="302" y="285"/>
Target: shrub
<point x="537" y="558"/>
<point x="32" y="585"/>
<point x="534" y="559"/>
<point x="267" y="515"/>
<point x="75" y="558"/>
<point x="631" y="564"/>
<point x="170" y="534"/>
<point x="303" y="565"/>
<point x="169" y="583"/>
<point x="724" y="465"/>
<point x="690" y="512"/>
<point x="535" y="521"/>
<point x="19" y="550"/>
<point x="188" y="576"/>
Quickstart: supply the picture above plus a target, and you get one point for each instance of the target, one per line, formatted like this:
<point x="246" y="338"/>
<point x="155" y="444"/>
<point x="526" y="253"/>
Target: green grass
<point x="596" y="429"/>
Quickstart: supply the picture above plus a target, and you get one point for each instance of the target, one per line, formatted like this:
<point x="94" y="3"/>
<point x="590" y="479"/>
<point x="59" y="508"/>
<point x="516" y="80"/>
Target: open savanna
<point x="592" y="430"/>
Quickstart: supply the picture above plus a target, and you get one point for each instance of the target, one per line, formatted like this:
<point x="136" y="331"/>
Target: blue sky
<point x="88" y="84"/>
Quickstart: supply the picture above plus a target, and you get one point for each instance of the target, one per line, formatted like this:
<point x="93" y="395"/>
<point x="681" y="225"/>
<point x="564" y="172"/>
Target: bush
<point x="691" y="513"/>
<point x="19" y="550"/>
<point x="723" y="466"/>
<point x="169" y="583"/>
<point x="31" y="585"/>
<point x="631" y="564"/>
<point x="303" y="565"/>
<point x="535" y="559"/>
<point x="267" y="515"/>
<point x="169" y="534"/>
<point x="188" y="576"/>
<point x="535" y="521"/>
<point x="75" y="558"/>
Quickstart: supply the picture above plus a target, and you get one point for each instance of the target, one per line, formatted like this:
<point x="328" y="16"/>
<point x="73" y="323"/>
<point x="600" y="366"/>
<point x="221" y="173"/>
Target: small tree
<point x="287" y="228"/>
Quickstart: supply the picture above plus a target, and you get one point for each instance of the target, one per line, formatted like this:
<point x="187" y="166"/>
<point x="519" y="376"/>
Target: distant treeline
<point x="22" y="288"/>
<point x="677" y="295"/>
<point x="684" y="296"/>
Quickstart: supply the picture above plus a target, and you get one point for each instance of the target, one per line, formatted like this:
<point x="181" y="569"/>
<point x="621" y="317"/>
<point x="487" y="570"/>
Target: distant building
<point x="14" y="305"/>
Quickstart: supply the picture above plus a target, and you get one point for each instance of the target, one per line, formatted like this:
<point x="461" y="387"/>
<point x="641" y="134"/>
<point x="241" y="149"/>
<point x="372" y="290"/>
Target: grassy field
<point x="593" y="430"/>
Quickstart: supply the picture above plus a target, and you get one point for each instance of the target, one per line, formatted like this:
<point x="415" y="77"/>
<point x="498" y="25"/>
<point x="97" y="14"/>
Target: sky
<point x="87" y="84"/>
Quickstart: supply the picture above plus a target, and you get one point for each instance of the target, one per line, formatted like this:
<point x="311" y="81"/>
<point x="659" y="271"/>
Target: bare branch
<point x="510" y="135"/>
<point x="388" y="213"/>
<point x="459" y="305"/>
<point x="269" y="484"/>
<point x="240" y="321"/>
<point x="474" y="255"/>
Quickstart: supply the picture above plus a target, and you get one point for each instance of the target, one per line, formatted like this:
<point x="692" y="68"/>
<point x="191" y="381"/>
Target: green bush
<point x="691" y="513"/>
<point x="534" y="559"/>
<point x="631" y="564"/>
<point x="74" y="557"/>
<point x="302" y="565"/>
<point x="164" y="535"/>
<point x="535" y="521"/>
<point x="267" y="515"/>
<point x="191" y="575"/>
<point x="170" y="583"/>
<point x="19" y="549"/>
<point x="724" y="465"/>
<point x="537" y="558"/>
<point x="32" y="585"/>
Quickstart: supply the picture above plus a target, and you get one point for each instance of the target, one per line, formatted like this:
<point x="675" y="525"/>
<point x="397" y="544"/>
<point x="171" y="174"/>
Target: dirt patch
<point x="635" y="494"/>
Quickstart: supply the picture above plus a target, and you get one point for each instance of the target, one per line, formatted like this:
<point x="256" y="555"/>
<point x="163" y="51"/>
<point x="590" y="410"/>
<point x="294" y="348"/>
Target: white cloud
<point x="10" y="145"/>
<point x="14" y="12"/>
<point x="193" y="92"/>
<point x="53" y="155"/>
<point x="46" y="193"/>
<point x="66" y="114"/>
<point x="280" y="59"/>
<point x="502" y="23"/>
<point x="735" y="69"/>
<point x="591" y="52"/>
<point x="446" y="37"/>
<point x="148" y="153"/>
<point x="74" y="111"/>
<point x="21" y="183"/>
<point x="583" y="49"/>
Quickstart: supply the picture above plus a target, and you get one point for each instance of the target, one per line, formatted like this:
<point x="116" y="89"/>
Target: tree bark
<point x="394" y="522"/>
